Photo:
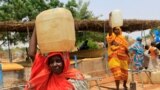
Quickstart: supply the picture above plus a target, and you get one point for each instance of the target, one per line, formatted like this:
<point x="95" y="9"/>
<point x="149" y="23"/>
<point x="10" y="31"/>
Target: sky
<point x="131" y="9"/>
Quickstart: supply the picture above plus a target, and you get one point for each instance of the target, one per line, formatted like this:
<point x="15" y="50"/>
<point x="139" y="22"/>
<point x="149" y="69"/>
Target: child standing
<point x="146" y="57"/>
<point x="153" y="51"/>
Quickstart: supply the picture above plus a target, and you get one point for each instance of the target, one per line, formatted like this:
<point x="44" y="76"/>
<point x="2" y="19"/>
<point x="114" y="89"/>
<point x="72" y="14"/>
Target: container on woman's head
<point x="55" y="30"/>
<point x="115" y="18"/>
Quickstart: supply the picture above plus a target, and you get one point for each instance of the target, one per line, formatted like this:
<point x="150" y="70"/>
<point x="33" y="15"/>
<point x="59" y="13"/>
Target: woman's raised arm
<point x="33" y="45"/>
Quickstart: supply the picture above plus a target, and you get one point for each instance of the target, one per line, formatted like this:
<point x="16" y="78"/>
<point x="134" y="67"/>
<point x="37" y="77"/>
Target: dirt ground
<point x="111" y="86"/>
<point x="107" y="83"/>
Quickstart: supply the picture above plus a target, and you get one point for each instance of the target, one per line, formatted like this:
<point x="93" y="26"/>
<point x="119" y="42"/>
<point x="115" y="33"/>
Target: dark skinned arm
<point x="110" y="31"/>
<point x="33" y="45"/>
<point x="110" y="28"/>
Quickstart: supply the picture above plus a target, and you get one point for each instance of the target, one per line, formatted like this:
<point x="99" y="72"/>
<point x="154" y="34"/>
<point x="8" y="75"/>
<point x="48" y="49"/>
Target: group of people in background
<point x="120" y="55"/>
<point x="145" y="56"/>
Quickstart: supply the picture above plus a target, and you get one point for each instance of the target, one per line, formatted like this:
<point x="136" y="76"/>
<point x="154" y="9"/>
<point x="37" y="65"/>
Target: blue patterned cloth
<point x="138" y="50"/>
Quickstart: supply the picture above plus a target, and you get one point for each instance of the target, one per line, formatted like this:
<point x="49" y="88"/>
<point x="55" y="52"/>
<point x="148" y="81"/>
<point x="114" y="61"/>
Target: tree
<point x="18" y="9"/>
<point x="83" y="12"/>
<point x="79" y="9"/>
<point x="71" y="5"/>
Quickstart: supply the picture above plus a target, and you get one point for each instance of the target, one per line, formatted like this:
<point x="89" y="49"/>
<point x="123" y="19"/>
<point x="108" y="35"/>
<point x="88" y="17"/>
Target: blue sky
<point x="131" y="9"/>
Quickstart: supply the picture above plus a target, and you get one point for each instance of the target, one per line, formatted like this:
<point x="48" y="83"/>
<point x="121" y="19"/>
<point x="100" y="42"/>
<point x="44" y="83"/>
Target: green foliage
<point x="92" y="38"/>
<point x="82" y="11"/>
<point x="96" y="36"/>
<point x="79" y="9"/>
<point x="71" y="5"/>
<point x="18" y="9"/>
<point x="92" y="44"/>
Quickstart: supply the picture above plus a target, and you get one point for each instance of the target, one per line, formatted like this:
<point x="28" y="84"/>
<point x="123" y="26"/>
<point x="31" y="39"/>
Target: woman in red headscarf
<point x="53" y="72"/>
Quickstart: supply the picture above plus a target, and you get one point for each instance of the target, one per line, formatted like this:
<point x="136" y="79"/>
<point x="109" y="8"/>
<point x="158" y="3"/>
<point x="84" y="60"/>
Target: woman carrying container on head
<point x="118" y="58"/>
<point x="52" y="71"/>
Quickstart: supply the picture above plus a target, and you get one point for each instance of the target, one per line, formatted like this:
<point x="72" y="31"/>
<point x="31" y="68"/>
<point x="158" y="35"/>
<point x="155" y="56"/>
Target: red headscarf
<point x="42" y="79"/>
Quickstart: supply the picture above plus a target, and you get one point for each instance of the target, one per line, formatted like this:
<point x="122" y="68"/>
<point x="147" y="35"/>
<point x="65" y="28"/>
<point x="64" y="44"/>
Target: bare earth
<point x="107" y="83"/>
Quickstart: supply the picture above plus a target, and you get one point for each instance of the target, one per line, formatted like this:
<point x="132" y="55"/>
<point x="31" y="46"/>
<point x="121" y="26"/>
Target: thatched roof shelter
<point x="85" y="25"/>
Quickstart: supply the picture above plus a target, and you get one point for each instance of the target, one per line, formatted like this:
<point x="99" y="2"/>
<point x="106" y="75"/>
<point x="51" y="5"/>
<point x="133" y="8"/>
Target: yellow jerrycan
<point x="55" y="30"/>
<point x="115" y="18"/>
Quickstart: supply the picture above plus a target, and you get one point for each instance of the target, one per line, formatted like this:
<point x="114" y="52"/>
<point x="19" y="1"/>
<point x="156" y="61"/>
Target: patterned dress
<point x="118" y="58"/>
<point x="138" y="50"/>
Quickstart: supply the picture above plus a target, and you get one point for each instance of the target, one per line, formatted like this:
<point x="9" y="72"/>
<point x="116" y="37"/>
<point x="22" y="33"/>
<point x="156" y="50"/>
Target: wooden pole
<point x="9" y="50"/>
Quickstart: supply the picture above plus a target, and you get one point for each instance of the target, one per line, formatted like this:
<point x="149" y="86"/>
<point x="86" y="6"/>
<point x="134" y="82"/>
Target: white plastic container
<point x="55" y="30"/>
<point x="115" y="18"/>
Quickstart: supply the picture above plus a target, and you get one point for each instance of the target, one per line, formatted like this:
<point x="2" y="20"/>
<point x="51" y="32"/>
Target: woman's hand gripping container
<point x="55" y="30"/>
<point x="115" y="18"/>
